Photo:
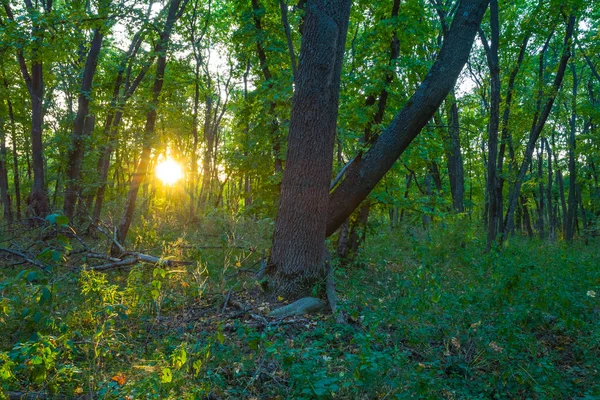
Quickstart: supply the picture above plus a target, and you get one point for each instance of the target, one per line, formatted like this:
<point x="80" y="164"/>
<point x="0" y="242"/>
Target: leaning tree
<point x="308" y="212"/>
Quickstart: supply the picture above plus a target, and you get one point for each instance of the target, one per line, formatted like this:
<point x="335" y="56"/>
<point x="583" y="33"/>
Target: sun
<point x="169" y="171"/>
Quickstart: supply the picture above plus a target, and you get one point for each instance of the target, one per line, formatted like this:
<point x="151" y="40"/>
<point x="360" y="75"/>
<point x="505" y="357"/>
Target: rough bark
<point x="298" y="255"/>
<point x="364" y="173"/>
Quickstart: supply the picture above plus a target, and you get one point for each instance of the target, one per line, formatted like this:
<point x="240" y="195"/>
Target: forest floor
<point x="431" y="315"/>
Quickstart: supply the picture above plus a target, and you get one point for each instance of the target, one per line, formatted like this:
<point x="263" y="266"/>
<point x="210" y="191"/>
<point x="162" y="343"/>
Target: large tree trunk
<point x="38" y="204"/>
<point x="365" y="172"/>
<point x="298" y="255"/>
<point x="176" y="8"/>
<point x="81" y="128"/>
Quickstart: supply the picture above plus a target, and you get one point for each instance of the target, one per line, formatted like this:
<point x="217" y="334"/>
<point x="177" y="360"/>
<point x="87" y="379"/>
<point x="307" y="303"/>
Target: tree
<point x="297" y="258"/>
<point x="34" y="80"/>
<point x="298" y="253"/>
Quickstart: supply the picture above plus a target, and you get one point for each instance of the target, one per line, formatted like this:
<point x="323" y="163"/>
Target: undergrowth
<point x="431" y="315"/>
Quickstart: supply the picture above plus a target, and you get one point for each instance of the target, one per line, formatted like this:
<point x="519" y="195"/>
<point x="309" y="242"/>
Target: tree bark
<point x="365" y="173"/>
<point x="298" y="255"/>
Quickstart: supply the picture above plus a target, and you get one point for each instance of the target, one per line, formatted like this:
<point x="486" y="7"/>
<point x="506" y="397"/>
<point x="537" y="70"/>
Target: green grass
<point x="431" y="316"/>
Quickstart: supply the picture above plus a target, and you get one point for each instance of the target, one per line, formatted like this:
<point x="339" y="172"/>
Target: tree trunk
<point x="38" y="204"/>
<point x="526" y="217"/>
<point x="194" y="168"/>
<point x="541" y="227"/>
<point x="550" y="207"/>
<point x="365" y="172"/>
<point x="454" y="157"/>
<point x="115" y="114"/>
<point x="81" y="128"/>
<point x="506" y="135"/>
<point x="298" y="255"/>
<point x="494" y="123"/>
<point x="563" y="202"/>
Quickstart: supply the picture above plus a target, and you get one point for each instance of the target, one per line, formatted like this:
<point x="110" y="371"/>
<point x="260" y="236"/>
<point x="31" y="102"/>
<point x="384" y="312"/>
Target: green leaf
<point x="166" y="376"/>
<point x="46" y="296"/>
<point x="62" y="220"/>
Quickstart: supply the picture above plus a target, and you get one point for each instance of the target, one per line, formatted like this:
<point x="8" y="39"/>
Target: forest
<point x="299" y="199"/>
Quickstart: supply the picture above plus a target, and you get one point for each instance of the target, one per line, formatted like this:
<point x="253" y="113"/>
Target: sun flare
<point x="169" y="171"/>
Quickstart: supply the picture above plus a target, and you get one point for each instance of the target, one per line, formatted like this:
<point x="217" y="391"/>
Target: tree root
<point x="305" y="305"/>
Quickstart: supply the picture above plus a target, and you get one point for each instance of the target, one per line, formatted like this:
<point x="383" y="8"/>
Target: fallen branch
<point x="134" y="259"/>
<point x="102" y="257"/>
<point x="34" y="396"/>
<point x="116" y="264"/>
<point x="156" y="260"/>
<point x="30" y="260"/>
